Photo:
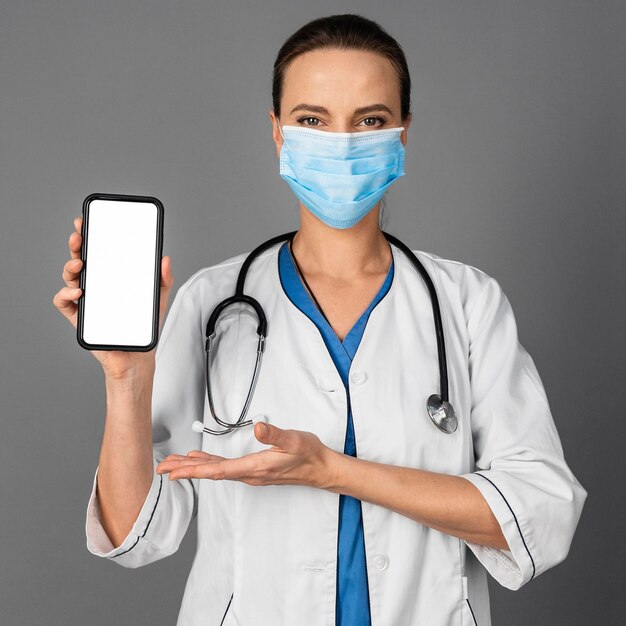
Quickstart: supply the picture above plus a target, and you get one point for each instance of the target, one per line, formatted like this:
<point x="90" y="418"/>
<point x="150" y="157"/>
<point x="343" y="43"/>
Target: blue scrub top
<point x="352" y="588"/>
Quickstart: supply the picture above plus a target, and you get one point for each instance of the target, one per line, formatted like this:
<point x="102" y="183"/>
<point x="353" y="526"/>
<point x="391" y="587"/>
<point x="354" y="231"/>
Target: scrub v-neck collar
<point x="350" y="343"/>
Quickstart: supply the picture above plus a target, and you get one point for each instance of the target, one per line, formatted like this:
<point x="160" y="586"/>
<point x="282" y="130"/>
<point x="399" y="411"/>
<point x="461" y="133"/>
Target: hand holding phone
<point x="117" y="364"/>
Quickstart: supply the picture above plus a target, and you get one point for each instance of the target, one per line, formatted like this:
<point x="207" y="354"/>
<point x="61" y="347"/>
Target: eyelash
<point x="371" y="117"/>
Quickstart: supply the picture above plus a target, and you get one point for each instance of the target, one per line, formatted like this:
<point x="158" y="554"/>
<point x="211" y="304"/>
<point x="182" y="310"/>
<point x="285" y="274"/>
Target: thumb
<point x="267" y="433"/>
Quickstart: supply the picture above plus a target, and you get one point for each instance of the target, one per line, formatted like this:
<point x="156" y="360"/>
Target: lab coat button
<point x="358" y="377"/>
<point x="381" y="561"/>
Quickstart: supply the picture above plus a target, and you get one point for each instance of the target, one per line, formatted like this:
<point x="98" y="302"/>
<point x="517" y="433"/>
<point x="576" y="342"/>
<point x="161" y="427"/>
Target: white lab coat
<point x="274" y="548"/>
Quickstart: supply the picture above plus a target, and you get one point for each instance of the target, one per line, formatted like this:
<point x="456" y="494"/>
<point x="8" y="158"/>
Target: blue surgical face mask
<point x="340" y="177"/>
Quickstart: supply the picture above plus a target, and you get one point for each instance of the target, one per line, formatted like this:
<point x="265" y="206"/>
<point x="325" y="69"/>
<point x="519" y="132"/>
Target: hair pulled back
<point x="347" y="31"/>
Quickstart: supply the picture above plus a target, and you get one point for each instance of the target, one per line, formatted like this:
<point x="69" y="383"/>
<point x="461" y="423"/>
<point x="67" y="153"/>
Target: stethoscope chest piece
<point x="441" y="413"/>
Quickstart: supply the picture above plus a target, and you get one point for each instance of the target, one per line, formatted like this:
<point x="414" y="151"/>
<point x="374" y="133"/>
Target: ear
<point x="276" y="136"/>
<point x="404" y="134"/>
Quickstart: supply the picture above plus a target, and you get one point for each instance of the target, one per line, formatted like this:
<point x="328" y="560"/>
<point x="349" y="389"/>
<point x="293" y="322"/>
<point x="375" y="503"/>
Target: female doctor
<point x="347" y="498"/>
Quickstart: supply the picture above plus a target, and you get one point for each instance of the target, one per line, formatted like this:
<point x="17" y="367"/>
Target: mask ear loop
<point x="280" y="128"/>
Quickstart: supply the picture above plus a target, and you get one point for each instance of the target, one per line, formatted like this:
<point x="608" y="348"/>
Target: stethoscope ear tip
<point x="259" y="418"/>
<point x="197" y="427"/>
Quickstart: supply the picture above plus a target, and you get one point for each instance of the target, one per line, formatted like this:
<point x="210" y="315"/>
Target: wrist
<point x="140" y="377"/>
<point x="131" y="393"/>
<point x="333" y="468"/>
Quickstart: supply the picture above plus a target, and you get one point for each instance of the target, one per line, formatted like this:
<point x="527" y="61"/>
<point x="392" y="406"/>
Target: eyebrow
<point x="319" y="109"/>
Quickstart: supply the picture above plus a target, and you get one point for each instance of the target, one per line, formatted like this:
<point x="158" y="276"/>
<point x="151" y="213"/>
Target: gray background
<point x="514" y="164"/>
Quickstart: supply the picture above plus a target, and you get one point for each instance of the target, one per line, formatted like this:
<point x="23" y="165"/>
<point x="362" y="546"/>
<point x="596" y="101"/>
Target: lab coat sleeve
<point x="177" y="401"/>
<point x="520" y="467"/>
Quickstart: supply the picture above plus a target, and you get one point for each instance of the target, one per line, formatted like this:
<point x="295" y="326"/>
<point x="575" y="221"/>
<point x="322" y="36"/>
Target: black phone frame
<point x="83" y="273"/>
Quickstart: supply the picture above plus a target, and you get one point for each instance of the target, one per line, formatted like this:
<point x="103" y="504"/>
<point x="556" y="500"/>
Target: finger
<point x="204" y="455"/>
<point x="273" y="435"/>
<point x="167" y="279"/>
<point x="168" y="466"/>
<point x="63" y="300"/>
<point x="171" y="457"/>
<point x="74" y="243"/>
<point x="192" y="453"/>
<point x="228" y="469"/>
<point x="176" y="460"/>
<point x="71" y="272"/>
<point x="177" y="463"/>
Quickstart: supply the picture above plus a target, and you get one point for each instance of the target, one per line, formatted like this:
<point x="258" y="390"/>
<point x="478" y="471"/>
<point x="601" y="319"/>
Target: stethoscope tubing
<point x="438" y="406"/>
<point x="441" y="345"/>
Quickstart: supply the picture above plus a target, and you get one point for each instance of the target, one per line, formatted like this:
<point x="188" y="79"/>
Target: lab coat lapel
<point x="299" y="387"/>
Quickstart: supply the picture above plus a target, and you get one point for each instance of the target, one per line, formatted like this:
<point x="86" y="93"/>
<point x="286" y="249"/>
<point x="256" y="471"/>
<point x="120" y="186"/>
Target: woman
<point x="343" y="503"/>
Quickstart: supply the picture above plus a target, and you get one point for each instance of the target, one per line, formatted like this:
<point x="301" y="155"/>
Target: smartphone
<point x="121" y="274"/>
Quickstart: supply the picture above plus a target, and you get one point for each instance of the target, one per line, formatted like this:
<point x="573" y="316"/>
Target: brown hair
<point x="348" y="31"/>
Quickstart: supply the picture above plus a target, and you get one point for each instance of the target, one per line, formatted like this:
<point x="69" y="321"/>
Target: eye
<point x="374" y="117"/>
<point x="309" y="117"/>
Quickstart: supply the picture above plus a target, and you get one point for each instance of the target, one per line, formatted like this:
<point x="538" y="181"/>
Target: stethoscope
<point x="438" y="406"/>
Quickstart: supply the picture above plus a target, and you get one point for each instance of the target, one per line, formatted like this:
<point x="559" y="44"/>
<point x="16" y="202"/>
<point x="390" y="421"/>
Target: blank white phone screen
<point x="120" y="273"/>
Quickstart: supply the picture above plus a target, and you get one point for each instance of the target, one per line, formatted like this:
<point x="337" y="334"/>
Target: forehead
<point x="341" y="75"/>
